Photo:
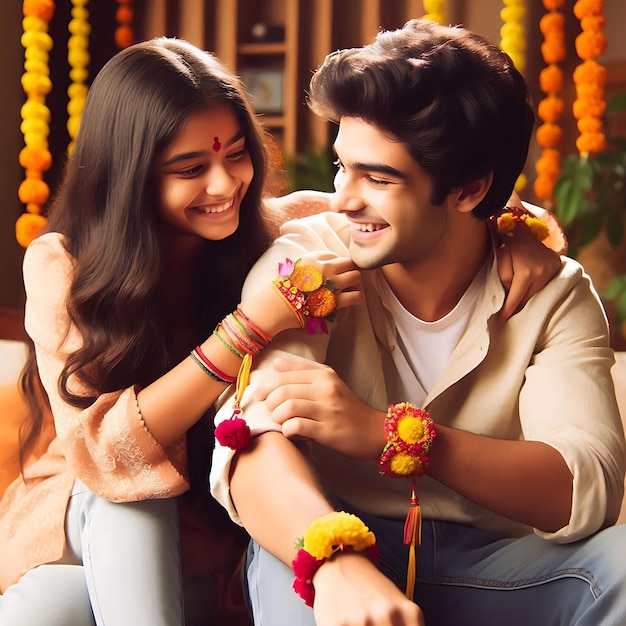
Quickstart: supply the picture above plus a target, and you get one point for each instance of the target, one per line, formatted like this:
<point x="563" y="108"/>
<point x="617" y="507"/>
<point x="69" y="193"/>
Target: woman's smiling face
<point x="204" y="174"/>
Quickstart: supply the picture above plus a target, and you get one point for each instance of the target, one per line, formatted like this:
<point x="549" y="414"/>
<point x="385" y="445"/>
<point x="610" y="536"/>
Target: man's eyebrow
<point x="192" y="155"/>
<point x="380" y="168"/>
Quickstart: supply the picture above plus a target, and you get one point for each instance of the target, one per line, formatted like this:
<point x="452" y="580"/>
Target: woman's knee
<point x="55" y="595"/>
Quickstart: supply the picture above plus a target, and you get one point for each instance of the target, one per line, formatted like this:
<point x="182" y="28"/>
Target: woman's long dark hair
<point x="107" y="210"/>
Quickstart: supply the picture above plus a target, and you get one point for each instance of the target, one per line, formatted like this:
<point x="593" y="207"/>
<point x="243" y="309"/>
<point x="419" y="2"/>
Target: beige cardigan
<point x="107" y="445"/>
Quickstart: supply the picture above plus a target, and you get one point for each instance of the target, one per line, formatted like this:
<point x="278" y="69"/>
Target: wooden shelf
<point x="262" y="48"/>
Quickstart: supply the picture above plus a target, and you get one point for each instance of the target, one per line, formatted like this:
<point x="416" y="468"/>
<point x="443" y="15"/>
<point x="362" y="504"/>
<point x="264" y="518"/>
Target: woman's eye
<point x="235" y="156"/>
<point x="190" y="171"/>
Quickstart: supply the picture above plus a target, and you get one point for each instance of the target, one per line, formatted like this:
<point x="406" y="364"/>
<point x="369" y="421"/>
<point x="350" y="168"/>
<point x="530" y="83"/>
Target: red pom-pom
<point x="305" y="590"/>
<point x="233" y="433"/>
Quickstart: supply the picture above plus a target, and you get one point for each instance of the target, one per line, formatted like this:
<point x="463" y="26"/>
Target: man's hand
<point x="311" y="401"/>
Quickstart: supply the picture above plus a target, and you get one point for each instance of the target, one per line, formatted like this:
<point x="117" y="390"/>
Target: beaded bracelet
<point x="409" y="432"/>
<point x="326" y="536"/>
<point x="308" y="294"/>
<point x="508" y="218"/>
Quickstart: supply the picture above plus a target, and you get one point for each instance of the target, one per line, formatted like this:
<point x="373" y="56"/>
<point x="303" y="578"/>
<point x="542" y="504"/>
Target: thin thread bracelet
<point x="263" y="336"/>
<point x="229" y="345"/>
<point x="218" y="372"/>
<point x="207" y="370"/>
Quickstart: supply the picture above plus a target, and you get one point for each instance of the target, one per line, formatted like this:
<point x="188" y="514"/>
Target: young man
<point x="527" y="466"/>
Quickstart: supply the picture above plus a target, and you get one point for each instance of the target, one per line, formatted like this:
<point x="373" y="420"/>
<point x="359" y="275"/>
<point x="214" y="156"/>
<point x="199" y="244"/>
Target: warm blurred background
<point x="573" y="55"/>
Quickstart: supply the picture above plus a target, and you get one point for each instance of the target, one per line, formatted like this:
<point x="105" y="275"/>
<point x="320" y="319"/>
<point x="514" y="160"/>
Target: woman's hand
<point x="525" y="265"/>
<point x="350" y="591"/>
<point x="311" y="401"/>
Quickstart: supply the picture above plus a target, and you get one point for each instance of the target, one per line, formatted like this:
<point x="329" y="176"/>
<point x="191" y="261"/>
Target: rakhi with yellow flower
<point x="35" y="157"/>
<point x="549" y="134"/>
<point x="513" y="42"/>
<point x="590" y="77"/>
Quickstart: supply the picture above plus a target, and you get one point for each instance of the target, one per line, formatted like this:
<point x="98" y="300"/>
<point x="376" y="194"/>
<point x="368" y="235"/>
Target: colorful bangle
<point x="202" y="361"/>
<point x="309" y="295"/>
<point x="508" y="218"/>
<point x="326" y="536"/>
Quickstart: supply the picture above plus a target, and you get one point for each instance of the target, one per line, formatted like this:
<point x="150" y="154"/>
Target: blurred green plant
<point x="311" y="169"/>
<point x="590" y="198"/>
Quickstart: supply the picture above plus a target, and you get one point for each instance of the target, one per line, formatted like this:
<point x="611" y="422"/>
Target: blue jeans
<point x="122" y="566"/>
<point x="473" y="577"/>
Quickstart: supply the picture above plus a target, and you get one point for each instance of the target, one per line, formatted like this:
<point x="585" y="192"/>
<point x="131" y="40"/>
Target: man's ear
<point x="471" y="194"/>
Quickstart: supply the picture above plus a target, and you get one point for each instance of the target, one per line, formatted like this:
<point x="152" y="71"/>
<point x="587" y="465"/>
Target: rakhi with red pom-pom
<point x="409" y="432"/>
<point x="325" y="537"/>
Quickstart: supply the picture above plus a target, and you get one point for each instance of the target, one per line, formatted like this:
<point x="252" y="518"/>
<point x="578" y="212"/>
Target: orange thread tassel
<point x="412" y="538"/>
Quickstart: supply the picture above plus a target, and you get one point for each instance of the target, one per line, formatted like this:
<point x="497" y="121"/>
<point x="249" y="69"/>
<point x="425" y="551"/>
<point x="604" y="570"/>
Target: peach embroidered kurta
<point x="107" y="445"/>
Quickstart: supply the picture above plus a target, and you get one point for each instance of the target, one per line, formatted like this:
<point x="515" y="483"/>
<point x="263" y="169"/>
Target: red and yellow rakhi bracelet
<point x="410" y="432"/>
<point x="306" y="291"/>
<point x="509" y="217"/>
<point x="326" y="536"/>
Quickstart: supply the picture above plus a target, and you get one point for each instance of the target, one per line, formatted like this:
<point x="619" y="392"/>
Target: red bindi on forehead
<point x="216" y="144"/>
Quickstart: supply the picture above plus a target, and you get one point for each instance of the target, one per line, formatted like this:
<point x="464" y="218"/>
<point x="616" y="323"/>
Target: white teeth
<point x="368" y="228"/>
<point x="217" y="208"/>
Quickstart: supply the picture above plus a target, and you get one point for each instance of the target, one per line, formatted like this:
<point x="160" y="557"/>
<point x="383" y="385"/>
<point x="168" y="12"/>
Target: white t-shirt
<point x="426" y="346"/>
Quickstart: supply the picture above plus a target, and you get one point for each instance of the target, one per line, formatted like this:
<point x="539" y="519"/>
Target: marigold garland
<point x="78" y="59"/>
<point x="435" y="11"/>
<point x="590" y="77"/>
<point x="550" y="109"/>
<point x="35" y="157"/>
<point x="513" y="42"/>
<point x="125" y="16"/>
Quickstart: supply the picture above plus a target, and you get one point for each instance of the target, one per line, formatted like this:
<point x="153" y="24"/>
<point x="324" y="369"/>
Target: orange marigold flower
<point x="124" y="14"/>
<point x="590" y="71"/>
<point x="593" y="22"/>
<point x="549" y="135"/>
<point x="35" y="158"/>
<point x="552" y="23"/>
<point x="590" y="45"/>
<point x="550" y="109"/>
<point x="33" y="190"/>
<point x="553" y="5"/>
<point x="589" y="125"/>
<point x="306" y="278"/>
<point x="27" y="227"/>
<point x="124" y="36"/>
<point x="321" y="302"/>
<point x="549" y="163"/>
<point x="589" y="91"/>
<point x="551" y="79"/>
<point x="43" y="9"/>
<point x="553" y="50"/>
<point x="583" y="8"/>
<point x="588" y="108"/>
<point x="591" y="142"/>
<point x="544" y="186"/>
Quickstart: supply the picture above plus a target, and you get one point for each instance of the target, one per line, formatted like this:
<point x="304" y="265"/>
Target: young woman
<point x="158" y="220"/>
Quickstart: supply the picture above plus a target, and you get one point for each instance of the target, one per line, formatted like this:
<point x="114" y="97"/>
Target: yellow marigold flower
<point x="334" y="531"/>
<point x="404" y="464"/>
<point x="538" y="227"/>
<point x="506" y="223"/>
